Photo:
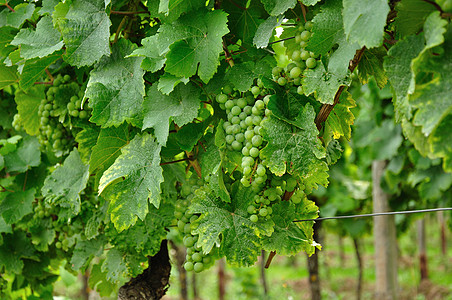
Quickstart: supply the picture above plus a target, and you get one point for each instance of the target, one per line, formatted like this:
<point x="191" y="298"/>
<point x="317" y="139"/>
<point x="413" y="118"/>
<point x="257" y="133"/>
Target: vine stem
<point x="227" y="54"/>
<point x="118" y="30"/>
<point x="326" y="109"/>
<point x="269" y="259"/>
<point x="281" y="40"/>
<point x="9" y="7"/>
<point x="175" y="161"/>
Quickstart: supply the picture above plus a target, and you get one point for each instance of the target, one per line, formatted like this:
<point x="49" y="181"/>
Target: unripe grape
<point x="237" y="146"/>
<point x="254" y="152"/>
<point x="282" y="81"/>
<point x="197" y="257"/>
<point x="199" y="267"/>
<point x="222" y="98"/>
<point x="263" y="212"/>
<point x="229" y="139"/>
<point x="259" y="104"/>
<point x="229" y="104"/>
<point x="295" y="72"/>
<point x="308" y="25"/>
<point x="255" y="90"/>
<point x="254" y="218"/>
<point x="189" y="266"/>
<point x="227" y="89"/>
<point x="296" y="55"/>
<point x="305" y="35"/>
<point x="236" y="110"/>
<point x="311" y="63"/>
<point x="245" y="182"/>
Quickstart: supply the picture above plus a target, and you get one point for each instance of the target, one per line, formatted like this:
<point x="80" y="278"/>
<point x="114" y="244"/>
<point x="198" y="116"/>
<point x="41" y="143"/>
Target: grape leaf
<point x="115" y="266"/>
<point x="172" y="9"/>
<point x="21" y="13"/>
<point x="84" y="251"/>
<point x="293" y="150"/>
<point x="436" y="183"/>
<point x="309" y="2"/>
<point x="200" y="44"/>
<point x="323" y="84"/>
<point x="230" y="222"/>
<point x="109" y="144"/>
<point x="153" y="56"/>
<point x="411" y="15"/>
<point x="327" y="28"/>
<point x="8" y="76"/>
<point x="242" y="75"/>
<point x="42" y="233"/>
<point x="288" y="238"/>
<point x="341" y="118"/>
<point x="35" y="68"/>
<point x="27" y="155"/>
<point x="16" y="205"/>
<point x="168" y="82"/>
<point x="86" y="42"/>
<point x="431" y="99"/>
<point x="277" y="7"/>
<point x="15" y="247"/>
<point x="27" y="106"/>
<point x="64" y="185"/>
<point x="86" y="140"/>
<point x="364" y="21"/>
<point x="441" y="141"/>
<point x="188" y="136"/>
<point x="48" y="6"/>
<point x="181" y="106"/>
<point x="244" y="18"/>
<point x="265" y="31"/>
<point x="398" y="69"/>
<point x="371" y="64"/>
<point x="39" y="43"/>
<point x="98" y="280"/>
<point x="139" y="168"/>
<point x="4" y="227"/>
<point x="116" y="87"/>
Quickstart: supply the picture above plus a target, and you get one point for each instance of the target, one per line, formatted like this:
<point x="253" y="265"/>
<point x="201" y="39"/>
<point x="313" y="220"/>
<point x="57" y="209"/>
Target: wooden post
<point x="422" y="249"/>
<point x="384" y="239"/>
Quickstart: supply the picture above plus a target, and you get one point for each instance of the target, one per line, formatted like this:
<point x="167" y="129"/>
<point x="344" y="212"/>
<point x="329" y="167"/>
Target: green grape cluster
<point x="301" y="59"/>
<point x="196" y="260"/>
<point x="245" y="113"/>
<point x="261" y="208"/>
<point x="62" y="102"/>
<point x="17" y="123"/>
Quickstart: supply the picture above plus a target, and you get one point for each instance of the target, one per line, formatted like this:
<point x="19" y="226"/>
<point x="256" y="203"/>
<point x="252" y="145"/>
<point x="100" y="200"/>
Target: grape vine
<point x="209" y="124"/>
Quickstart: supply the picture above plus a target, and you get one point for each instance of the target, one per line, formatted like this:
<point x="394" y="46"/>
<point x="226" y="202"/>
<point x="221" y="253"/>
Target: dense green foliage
<point x="125" y="123"/>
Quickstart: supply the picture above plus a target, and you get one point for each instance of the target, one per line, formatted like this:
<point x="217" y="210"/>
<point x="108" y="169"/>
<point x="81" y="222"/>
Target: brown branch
<point x="227" y="54"/>
<point x="9" y="7"/>
<point x="50" y="75"/>
<point x="175" y="161"/>
<point x="118" y="30"/>
<point x="269" y="259"/>
<point x="128" y="13"/>
<point x="326" y="109"/>
<point x="436" y="5"/>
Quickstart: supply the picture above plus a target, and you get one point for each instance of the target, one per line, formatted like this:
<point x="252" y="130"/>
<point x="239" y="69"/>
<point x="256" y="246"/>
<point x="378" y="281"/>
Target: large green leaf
<point x="194" y="42"/>
<point x="133" y="181"/>
<point x="34" y="69"/>
<point x="277" y="7"/>
<point x="365" y="20"/>
<point x="16" y="205"/>
<point x="323" y="84"/>
<point x="341" y="118"/>
<point x="116" y="87"/>
<point x="181" y="106"/>
<point x="244" y="17"/>
<point x="86" y="41"/>
<point x="108" y="147"/>
<point x="64" y="185"/>
<point x="39" y="43"/>
<point x="27" y="105"/>
<point x="84" y="251"/>
<point x="288" y="238"/>
<point x="8" y="76"/>
<point x="26" y="155"/>
<point x="239" y="236"/>
<point x="265" y="31"/>
<point x="411" y="15"/>
<point x="293" y="150"/>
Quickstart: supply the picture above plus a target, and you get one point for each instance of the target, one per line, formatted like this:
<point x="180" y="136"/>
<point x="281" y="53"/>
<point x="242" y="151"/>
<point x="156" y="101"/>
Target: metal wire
<point x="378" y="214"/>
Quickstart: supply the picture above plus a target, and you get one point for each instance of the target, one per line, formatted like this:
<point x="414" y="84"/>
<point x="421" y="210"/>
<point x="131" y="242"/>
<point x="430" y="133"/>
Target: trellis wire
<point x="378" y="214"/>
